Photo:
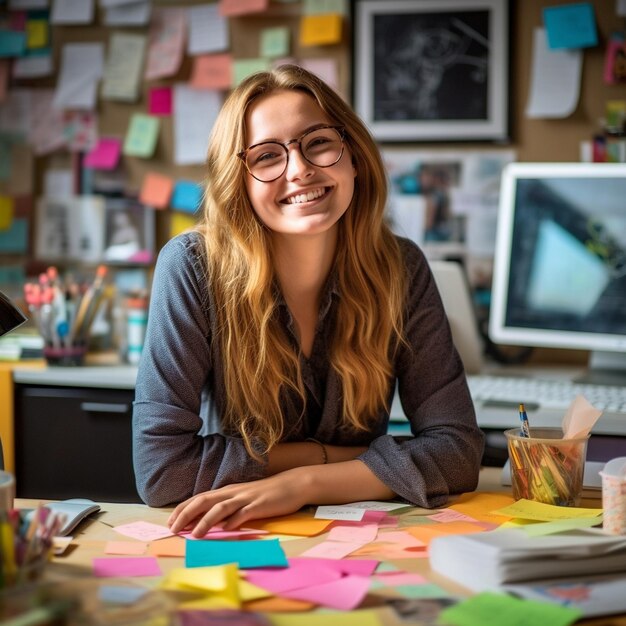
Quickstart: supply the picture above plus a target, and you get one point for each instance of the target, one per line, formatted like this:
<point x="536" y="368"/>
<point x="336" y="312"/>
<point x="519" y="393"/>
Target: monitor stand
<point x="605" y="368"/>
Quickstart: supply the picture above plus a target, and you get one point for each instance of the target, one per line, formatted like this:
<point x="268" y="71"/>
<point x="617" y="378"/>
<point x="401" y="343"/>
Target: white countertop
<point x="105" y="376"/>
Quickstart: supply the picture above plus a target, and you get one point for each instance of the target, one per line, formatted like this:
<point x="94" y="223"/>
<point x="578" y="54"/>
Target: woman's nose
<point x="297" y="165"/>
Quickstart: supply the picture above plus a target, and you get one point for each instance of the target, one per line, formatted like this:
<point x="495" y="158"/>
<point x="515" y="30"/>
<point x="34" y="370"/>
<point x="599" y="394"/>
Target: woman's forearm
<point x="285" y="456"/>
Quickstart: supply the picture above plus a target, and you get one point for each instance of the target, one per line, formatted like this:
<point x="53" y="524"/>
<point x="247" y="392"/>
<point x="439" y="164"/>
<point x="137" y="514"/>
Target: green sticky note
<point x="275" y="42"/>
<point x="494" y="609"/>
<point x="142" y="135"/>
<point x="244" y="67"/>
<point x="422" y="591"/>
<point x="321" y="7"/>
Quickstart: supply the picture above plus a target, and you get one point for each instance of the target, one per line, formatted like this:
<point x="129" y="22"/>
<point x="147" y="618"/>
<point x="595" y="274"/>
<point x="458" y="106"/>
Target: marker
<point x="525" y="428"/>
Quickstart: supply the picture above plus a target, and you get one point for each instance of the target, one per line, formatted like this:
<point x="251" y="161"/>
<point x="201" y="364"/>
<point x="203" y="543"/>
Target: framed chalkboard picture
<point x="432" y="70"/>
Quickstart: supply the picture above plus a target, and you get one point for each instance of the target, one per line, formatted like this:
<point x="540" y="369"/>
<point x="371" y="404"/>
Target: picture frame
<point x="129" y="232"/>
<point x="432" y="70"/>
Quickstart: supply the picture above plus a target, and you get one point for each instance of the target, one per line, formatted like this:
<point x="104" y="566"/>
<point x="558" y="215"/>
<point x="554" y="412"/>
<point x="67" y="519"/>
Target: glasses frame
<point x="285" y="145"/>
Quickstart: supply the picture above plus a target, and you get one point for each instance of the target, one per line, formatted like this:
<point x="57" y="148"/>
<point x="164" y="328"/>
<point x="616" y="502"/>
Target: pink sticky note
<point x="219" y="533"/>
<point x="358" y="567"/>
<point x="160" y="102"/>
<point x="401" y="539"/>
<point x="344" y="594"/>
<point x="295" y="577"/>
<point x="144" y="531"/>
<point x="353" y="534"/>
<point x="125" y="547"/>
<point x="395" y="579"/>
<point x="332" y="549"/>
<point x="126" y="566"/>
<point x="104" y="155"/>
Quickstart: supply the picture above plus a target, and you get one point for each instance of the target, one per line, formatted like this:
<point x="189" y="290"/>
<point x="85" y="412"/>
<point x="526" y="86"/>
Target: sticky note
<point x="36" y="33"/>
<point x="489" y="609"/>
<point x="180" y="223"/>
<point x="212" y="71"/>
<point x="7" y="211"/>
<point x="15" y="238"/>
<point x="144" y="531"/>
<point x="360" y="567"/>
<point x="295" y="524"/>
<point x="230" y="8"/>
<point x="187" y="196"/>
<point x="160" y="101"/>
<point x="251" y="553"/>
<point x="275" y="42"/>
<point x="12" y="43"/>
<point x="320" y="30"/>
<point x="529" y="509"/>
<point x="156" y="190"/>
<point x="170" y="546"/>
<point x="570" y="26"/>
<point x="480" y="506"/>
<point x="142" y="135"/>
<point x="121" y="595"/>
<point x="333" y="549"/>
<point x="125" y="547"/>
<point x="242" y="68"/>
<point x="344" y="594"/>
<point x="317" y="7"/>
<point x="126" y="566"/>
<point x="105" y="155"/>
<point x="218" y="578"/>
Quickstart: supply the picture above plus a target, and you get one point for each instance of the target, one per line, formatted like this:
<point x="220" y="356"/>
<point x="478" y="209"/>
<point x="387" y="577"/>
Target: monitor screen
<point x="560" y="261"/>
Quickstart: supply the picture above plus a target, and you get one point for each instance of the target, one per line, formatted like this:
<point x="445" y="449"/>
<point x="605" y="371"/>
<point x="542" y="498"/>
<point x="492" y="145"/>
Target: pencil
<point x="525" y="428"/>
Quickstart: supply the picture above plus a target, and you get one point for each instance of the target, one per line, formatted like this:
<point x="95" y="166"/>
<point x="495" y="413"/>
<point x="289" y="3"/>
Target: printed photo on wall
<point x="129" y="232"/>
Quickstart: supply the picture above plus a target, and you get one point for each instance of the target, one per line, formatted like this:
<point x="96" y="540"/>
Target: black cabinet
<point x="74" y="442"/>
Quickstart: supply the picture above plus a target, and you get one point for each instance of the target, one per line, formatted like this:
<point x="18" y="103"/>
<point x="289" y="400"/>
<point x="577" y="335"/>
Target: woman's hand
<point x="232" y="506"/>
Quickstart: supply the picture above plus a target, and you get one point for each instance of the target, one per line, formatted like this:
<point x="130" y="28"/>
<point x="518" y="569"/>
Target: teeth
<point x="305" y="197"/>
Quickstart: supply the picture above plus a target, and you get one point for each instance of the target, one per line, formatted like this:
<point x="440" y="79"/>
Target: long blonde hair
<point x="260" y="365"/>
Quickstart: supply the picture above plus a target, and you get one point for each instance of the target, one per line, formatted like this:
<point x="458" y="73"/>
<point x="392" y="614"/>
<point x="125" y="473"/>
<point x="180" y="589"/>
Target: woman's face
<point x="305" y="199"/>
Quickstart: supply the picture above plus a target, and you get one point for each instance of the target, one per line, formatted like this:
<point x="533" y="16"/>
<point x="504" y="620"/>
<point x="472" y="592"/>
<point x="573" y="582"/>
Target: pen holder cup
<point x="65" y="356"/>
<point x="614" y="496"/>
<point x="545" y="467"/>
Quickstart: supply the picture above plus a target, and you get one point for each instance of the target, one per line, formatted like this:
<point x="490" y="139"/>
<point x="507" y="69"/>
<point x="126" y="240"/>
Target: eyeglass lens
<point x="322" y="147"/>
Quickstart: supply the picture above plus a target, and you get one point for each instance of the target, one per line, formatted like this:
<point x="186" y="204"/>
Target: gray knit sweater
<point x="179" y="448"/>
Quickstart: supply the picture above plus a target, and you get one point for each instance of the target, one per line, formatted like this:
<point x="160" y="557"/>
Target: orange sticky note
<point x="480" y="506"/>
<point x="212" y="71"/>
<point x="427" y="532"/>
<point x="278" y="605"/>
<point x="170" y="546"/>
<point x="320" y="30"/>
<point x="125" y="547"/>
<point x="156" y="190"/>
<point x="296" y="524"/>
<point x="230" y="8"/>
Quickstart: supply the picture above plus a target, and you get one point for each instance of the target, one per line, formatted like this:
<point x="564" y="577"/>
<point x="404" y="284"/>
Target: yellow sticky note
<point x="7" y="211"/>
<point x="345" y="618"/>
<point x="275" y="42"/>
<point x="249" y="592"/>
<point x="244" y="67"/>
<point x="296" y="524"/>
<point x="482" y="506"/>
<point x="528" y="509"/>
<point x="320" y="30"/>
<point x="36" y="33"/>
<point x="220" y="583"/>
<point x="539" y="529"/>
<point x="181" y="222"/>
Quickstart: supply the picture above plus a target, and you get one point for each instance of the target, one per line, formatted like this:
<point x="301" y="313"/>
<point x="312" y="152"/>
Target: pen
<point x="525" y="429"/>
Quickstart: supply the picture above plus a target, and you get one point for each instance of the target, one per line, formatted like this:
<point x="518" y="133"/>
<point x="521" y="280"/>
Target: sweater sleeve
<point x="173" y="457"/>
<point x="443" y="456"/>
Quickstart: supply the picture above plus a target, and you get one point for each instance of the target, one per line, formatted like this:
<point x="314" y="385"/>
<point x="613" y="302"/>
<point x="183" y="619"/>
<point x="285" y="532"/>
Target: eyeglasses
<point x="267" y="161"/>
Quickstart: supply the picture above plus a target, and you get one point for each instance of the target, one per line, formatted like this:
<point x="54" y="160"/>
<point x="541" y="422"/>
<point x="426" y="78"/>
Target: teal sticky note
<point x="275" y="42"/>
<point x="247" y="554"/>
<point x="12" y="43"/>
<point x="14" y="240"/>
<point x="5" y="159"/>
<point x="186" y="196"/>
<point x="570" y="26"/>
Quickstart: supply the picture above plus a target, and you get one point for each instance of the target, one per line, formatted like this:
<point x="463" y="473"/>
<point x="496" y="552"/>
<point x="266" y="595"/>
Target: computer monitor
<point x="559" y="276"/>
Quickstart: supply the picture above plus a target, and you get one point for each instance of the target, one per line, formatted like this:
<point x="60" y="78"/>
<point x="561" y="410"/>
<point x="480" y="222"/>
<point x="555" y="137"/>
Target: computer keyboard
<point x="552" y="394"/>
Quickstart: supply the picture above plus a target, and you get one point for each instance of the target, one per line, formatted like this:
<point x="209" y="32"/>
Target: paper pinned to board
<point x="555" y="79"/>
<point x="579" y="418"/>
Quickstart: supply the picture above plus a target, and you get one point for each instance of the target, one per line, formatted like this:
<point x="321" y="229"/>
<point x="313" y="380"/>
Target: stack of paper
<point x="511" y="556"/>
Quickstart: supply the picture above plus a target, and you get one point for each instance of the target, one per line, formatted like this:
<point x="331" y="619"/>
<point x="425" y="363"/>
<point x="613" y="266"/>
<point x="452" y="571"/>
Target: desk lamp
<point x="10" y="317"/>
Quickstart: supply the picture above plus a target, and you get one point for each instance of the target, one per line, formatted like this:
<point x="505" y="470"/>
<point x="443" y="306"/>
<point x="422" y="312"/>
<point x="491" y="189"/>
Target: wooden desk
<point x="74" y="569"/>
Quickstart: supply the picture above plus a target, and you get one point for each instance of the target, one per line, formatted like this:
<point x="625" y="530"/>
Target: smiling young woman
<point x="279" y="328"/>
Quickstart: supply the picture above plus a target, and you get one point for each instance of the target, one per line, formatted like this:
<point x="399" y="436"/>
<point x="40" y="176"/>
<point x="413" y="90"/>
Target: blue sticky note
<point x="14" y="240"/>
<point x="249" y="553"/>
<point x="12" y="43"/>
<point x="570" y="26"/>
<point x="186" y="196"/>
